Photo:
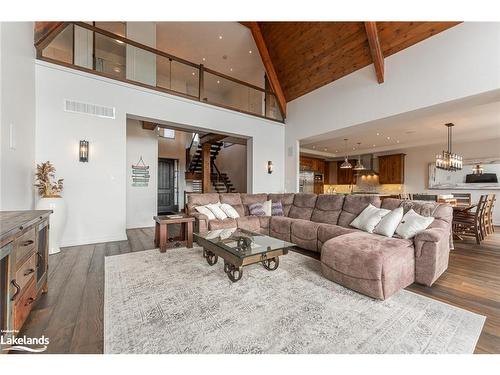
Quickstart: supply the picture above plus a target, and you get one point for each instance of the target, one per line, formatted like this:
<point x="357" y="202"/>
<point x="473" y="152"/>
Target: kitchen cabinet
<point x="312" y="164"/>
<point x="345" y="176"/>
<point x="391" y="169"/>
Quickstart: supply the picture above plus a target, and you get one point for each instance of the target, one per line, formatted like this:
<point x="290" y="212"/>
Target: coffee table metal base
<point x="235" y="272"/>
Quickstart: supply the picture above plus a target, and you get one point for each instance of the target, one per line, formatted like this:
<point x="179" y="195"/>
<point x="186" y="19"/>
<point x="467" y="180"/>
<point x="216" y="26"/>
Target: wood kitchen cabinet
<point x="391" y="169"/>
<point x="312" y="164"/>
<point x="345" y="176"/>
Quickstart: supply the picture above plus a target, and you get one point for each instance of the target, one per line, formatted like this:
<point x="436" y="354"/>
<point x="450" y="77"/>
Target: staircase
<point x="220" y="181"/>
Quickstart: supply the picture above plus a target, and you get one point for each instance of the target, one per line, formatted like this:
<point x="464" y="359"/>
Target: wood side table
<point x="161" y="231"/>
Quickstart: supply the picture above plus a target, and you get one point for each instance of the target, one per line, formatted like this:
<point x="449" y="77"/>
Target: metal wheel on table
<point x="271" y="264"/>
<point x="210" y="257"/>
<point x="234" y="273"/>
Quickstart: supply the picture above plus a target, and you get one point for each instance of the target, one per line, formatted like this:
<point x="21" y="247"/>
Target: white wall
<point x="457" y="63"/>
<point x="417" y="161"/>
<point x="95" y="192"/>
<point x="141" y="200"/>
<point x="17" y="110"/>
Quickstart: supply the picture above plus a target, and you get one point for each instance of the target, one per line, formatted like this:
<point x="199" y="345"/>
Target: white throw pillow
<point x="267" y="207"/>
<point x="215" y="208"/>
<point x="389" y="222"/>
<point x="205" y="211"/>
<point x="368" y="219"/>
<point x="412" y="224"/>
<point x="229" y="211"/>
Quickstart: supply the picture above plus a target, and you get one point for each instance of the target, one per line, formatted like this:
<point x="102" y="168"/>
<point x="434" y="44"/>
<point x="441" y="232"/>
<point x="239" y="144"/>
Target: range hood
<point x="368" y="162"/>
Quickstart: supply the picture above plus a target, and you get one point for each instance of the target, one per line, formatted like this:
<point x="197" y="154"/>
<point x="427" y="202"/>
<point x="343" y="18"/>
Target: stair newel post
<point x="206" y="167"/>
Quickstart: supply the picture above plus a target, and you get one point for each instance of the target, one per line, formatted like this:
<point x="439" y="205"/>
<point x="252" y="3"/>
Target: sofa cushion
<point x="251" y="223"/>
<point x="303" y="206"/>
<point x="328" y="231"/>
<point x="277" y="209"/>
<point x="256" y="209"/>
<point x="264" y="221"/>
<point x="234" y="200"/>
<point x="368" y="219"/>
<point x="412" y="224"/>
<point x="200" y="199"/>
<point x="280" y="227"/>
<point x="222" y="224"/>
<point x="368" y="263"/>
<point x="328" y="208"/>
<point x="304" y="233"/>
<point x="286" y="200"/>
<point x="353" y="205"/>
<point x="248" y="199"/>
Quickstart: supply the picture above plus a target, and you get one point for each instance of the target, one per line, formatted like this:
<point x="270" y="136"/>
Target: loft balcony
<point x="82" y="46"/>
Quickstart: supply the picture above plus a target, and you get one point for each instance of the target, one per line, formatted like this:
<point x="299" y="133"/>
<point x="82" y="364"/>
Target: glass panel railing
<point x="223" y="91"/>
<point x="61" y="48"/>
<point x="96" y="50"/>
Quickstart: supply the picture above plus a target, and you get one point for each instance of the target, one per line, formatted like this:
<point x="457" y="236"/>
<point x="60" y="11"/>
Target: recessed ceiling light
<point x="336" y="151"/>
<point x="314" y="147"/>
<point x="373" y="145"/>
<point x="220" y="36"/>
<point x="354" y="148"/>
<point x="250" y="51"/>
<point x="204" y="59"/>
<point x="388" y="137"/>
<point x="397" y="141"/>
<point x="230" y="69"/>
<point x="326" y="149"/>
<point x="378" y="133"/>
<point x="119" y="41"/>
<point x="218" y="81"/>
<point x="193" y="73"/>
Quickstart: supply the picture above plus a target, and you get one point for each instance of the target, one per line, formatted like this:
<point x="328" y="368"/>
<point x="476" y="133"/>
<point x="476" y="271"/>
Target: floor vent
<point x="89" y="109"/>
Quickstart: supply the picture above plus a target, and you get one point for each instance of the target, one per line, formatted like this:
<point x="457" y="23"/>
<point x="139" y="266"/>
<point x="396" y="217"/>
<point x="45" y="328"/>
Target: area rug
<point x="176" y="303"/>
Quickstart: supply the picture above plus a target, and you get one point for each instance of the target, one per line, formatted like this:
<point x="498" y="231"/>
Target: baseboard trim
<point x="93" y="240"/>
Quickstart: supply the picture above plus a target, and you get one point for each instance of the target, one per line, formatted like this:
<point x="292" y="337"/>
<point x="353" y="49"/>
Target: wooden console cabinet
<point x="24" y="242"/>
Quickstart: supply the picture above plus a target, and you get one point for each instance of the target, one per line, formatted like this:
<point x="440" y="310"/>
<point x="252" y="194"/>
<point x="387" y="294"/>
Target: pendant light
<point x="447" y="160"/>
<point x="478" y="169"/>
<point x="346" y="163"/>
<point x="359" y="166"/>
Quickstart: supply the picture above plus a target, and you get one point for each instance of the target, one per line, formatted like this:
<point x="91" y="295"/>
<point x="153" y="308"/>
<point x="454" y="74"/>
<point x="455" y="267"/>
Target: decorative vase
<point x="57" y="220"/>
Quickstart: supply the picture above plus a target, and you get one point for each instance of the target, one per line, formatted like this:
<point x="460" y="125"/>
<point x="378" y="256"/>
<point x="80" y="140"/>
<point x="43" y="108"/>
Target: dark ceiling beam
<point x="212" y="138"/>
<point x="268" y="64"/>
<point x="375" y="49"/>
<point x="149" y="125"/>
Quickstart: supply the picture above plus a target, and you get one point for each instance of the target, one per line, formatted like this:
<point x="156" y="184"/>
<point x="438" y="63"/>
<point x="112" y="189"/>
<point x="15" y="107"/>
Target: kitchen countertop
<point x="13" y="222"/>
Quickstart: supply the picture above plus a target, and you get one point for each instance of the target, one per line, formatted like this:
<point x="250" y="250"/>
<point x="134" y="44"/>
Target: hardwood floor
<point x="71" y="314"/>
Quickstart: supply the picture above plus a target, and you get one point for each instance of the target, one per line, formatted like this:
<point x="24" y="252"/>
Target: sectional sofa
<point x="371" y="264"/>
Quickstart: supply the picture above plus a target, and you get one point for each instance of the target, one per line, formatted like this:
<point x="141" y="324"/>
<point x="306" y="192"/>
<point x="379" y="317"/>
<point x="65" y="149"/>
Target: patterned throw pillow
<point x="277" y="209"/>
<point x="256" y="209"/>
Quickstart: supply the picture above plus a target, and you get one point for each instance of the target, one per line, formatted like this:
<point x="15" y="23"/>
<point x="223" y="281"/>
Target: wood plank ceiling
<point x="308" y="55"/>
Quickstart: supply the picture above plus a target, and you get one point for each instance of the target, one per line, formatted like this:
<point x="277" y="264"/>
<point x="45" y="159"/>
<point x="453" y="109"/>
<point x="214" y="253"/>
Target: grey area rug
<point x="176" y="303"/>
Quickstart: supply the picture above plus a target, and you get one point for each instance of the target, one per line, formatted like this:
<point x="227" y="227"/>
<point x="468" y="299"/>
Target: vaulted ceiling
<point x="308" y="55"/>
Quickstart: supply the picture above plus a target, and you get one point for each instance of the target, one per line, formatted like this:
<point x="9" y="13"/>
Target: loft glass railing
<point x="86" y="47"/>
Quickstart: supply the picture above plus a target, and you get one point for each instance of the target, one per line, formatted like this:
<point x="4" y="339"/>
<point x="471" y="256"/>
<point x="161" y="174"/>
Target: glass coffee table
<point x="239" y="247"/>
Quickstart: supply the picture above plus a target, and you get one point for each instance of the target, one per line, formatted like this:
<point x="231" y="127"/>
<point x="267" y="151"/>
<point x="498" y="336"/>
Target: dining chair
<point x="462" y="198"/>
<point x="488" y="217"/>
<point x="471" y="224"/>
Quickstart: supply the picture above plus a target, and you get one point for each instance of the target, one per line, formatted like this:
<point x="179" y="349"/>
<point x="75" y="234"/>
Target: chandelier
<point x="346" y="163"/>
<point x="447" y="160"/>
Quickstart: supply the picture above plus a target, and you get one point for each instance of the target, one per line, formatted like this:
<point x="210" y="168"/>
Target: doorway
<point x="168" y="189"/>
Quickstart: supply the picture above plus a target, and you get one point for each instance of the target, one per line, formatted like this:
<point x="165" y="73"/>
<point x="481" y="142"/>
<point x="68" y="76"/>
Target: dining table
<point x="461" y="209"/>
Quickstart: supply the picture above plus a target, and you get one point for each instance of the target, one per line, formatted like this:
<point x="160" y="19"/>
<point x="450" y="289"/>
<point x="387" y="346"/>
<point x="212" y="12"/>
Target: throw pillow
<point x="389" y="223"/>
<point x="277" y="209"/>
<point x="368" y="219"/>
<point x="256" y="209"/>
<point x="267" y="206"/>
<point x="412" y="224"/>
<point x="215" y="208"/>
<point x="229" y="211"/>
<point x="205" y="211"/>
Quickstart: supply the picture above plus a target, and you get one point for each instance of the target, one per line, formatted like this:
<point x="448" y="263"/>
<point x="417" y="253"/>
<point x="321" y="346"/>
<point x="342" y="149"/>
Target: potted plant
<point x="49" y="189"/>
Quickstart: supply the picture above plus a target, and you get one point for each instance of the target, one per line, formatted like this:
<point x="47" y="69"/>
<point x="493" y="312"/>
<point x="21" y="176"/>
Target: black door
<point x="166" y="186"/>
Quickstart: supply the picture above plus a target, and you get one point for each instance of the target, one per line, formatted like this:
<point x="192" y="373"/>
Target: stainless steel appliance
<point x="306" y="182"/>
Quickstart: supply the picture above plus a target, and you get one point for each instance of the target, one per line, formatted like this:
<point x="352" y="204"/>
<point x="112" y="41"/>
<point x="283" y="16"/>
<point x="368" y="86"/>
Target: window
<point x="167" y="133"/>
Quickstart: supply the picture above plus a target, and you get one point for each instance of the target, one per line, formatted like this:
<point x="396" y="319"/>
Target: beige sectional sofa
<point x="371" y="264"/>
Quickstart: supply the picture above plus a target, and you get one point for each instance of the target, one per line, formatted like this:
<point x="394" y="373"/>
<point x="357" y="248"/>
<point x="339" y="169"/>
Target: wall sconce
<point x="269" y="167"/>
<point x="84" y="151"/>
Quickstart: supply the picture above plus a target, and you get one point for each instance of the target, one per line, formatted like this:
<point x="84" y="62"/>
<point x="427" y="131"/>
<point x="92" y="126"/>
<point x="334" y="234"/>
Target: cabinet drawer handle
<point x="29" y="272"/>
<point x="18" y="289"/>
<point x="29" y="301"/>
<point x="27" y="243"/>
<point x="38" y="259"/>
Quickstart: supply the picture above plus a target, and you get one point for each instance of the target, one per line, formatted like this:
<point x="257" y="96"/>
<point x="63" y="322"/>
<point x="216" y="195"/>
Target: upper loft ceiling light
<point x="346" y="163"/>
<point x="359" y="166"/>
<point x="447" y="160"/>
